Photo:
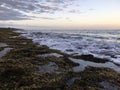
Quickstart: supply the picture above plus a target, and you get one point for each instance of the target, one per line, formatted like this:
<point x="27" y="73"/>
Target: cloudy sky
<point x="69" y="14"/>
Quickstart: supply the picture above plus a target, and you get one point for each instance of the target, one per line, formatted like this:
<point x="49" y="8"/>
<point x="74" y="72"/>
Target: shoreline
<point x="20" y="68"/>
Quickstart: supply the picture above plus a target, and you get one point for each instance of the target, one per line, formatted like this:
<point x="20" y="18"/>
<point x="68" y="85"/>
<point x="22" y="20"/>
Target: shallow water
<point x="71" y="80"/>
<point x="4" y="52"/>
<point x="3" y="45"/>
<point x="109" y="86"/>
<point x="50" y="67"/>
<point x="83" y="64"/>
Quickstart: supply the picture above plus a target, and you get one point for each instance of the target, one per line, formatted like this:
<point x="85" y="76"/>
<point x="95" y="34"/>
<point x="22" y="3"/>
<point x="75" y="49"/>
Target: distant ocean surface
<point x="100" y="43"/>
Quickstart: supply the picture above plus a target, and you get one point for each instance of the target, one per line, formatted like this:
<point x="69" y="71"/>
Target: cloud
<point x="17" y="9"/>
<point x="75" y="11"/>
<point x="49" y="18"/>
<point x="20" y="9"/>
<point x="8" y="14"/>
<point x="91" y="9"/>
<point x="56" y="1"/>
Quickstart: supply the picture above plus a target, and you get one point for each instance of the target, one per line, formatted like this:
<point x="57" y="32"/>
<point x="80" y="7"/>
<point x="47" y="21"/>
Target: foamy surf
<point x="102" y="44"/>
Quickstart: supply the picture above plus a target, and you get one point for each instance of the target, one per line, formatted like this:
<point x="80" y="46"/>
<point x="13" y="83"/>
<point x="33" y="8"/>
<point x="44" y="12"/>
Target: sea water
<point x="100" y="43"/>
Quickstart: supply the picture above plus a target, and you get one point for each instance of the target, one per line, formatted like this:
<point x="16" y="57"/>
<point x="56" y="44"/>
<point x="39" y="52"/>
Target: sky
<point x="60" y="14"/>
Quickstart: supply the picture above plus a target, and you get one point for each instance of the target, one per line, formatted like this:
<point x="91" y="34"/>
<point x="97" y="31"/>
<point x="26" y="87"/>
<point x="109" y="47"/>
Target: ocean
<point x="100" y="43"/>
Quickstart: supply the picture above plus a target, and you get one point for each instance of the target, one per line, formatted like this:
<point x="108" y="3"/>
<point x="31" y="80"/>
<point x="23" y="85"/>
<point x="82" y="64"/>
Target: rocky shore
<point x="25" y="65"/>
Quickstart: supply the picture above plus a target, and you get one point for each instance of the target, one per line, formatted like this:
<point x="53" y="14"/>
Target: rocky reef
<point x="29" y="66"/>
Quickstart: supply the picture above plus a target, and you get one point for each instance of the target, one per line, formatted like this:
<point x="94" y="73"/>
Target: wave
<point x="103" y="44"/>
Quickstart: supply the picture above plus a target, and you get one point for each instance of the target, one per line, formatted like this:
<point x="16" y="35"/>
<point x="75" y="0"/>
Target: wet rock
<point x="90" y="57"/>
<point x="13" y="73"/>
<point x="67" y="60"/>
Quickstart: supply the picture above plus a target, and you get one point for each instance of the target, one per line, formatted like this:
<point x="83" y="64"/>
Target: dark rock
<point x="68" y="61"/>
<point x="69" y="50"/>
<point x="90" y="57"/>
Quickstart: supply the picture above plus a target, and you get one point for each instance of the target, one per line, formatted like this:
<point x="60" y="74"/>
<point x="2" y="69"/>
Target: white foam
<point x="51" y="54"/>
<point x="104" y="44"/>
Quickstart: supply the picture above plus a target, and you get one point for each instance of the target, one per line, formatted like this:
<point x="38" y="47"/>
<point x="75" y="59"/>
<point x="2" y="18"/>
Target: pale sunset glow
<point x="75" y="14"/>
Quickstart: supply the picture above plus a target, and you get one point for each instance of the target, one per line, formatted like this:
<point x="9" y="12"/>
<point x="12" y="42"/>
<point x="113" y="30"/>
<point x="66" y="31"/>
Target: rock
<point x="90" y="57"/>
